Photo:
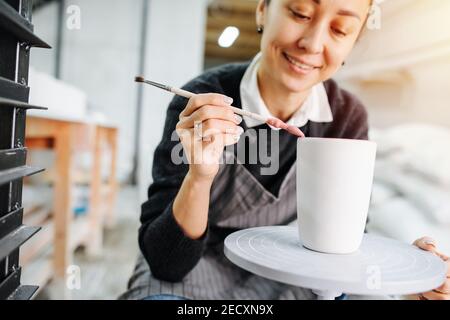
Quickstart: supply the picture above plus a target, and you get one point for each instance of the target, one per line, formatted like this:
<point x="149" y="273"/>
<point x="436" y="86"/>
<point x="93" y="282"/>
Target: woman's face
<point x="306" y="41"/>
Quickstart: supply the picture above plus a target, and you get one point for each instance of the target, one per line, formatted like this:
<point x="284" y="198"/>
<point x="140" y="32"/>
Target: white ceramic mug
<point x="334" y="184"/>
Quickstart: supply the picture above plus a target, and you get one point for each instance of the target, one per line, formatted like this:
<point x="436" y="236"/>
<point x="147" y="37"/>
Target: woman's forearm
<point x="191" y="205"/>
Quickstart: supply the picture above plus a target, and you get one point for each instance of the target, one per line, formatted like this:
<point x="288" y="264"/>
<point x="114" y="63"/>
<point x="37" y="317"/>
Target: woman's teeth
<point x="299" y="64"/>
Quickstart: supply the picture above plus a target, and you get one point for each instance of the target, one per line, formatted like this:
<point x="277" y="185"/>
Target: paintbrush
<point x="274" y="122"/>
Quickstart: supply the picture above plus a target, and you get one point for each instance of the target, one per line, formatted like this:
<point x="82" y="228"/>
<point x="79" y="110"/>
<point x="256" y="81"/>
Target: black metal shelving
<point x="16" y="40"/>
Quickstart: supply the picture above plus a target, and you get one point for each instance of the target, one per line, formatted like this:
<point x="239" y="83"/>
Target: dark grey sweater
<point x="170" y="254"/>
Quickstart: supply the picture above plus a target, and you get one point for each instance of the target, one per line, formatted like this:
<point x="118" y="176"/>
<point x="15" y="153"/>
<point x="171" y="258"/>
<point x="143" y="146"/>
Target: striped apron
<point x="238" y="201"/>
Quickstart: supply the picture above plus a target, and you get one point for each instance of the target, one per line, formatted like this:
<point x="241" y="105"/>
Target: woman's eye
<point x="300" y="16"/>
<point x="339" y="32"/>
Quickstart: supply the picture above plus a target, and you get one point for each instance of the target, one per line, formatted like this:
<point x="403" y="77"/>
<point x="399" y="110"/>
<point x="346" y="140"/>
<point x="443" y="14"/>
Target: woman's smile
<point x="298" y="65"/>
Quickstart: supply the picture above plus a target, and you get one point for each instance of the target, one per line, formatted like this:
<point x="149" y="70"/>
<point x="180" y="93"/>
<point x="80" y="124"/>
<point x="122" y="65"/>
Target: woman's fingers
<point x="429" y="244"/>
<point x="444" y="288"/>
<point x="212" y="127"/>
<point x="205" y="127"/>
<point x="433" y="295"/>
<point x="231" y="139"/>
<point x="207" y="117"/>
<point x="447" y="261"/>
<point x="442" y="256"/>
<point x="226" y="135"/>
<point x="223" y="139"/>
<point x="203" y="99"/>
<point x="209" y="112"/>
<point x="426" y="243"/>
<point x="442" y="292"/>
<point x="207" y="150"/>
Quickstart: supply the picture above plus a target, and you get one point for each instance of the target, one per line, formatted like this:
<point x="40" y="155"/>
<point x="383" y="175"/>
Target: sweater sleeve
<point x="350" y="117"/>
<point x="357" y="126"/>
<point x="169" y="253"/>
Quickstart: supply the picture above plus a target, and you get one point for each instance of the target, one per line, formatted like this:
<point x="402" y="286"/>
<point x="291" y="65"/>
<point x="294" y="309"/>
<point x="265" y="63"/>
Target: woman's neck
<point x="281" y="102"/>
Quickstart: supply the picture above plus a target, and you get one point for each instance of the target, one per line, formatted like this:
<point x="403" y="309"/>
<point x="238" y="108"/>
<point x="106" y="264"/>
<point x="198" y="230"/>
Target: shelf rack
<point x="16" y="40"/>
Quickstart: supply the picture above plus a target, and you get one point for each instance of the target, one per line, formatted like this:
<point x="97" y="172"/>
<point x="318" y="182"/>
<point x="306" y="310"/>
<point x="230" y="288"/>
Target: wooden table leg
<point x="94" y="245"/>
<point x="62" y="206"/>
<point x="110" y="218"/>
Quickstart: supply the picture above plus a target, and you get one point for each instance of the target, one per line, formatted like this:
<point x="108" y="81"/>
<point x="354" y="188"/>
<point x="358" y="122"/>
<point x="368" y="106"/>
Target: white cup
<point x="334" y="184"/>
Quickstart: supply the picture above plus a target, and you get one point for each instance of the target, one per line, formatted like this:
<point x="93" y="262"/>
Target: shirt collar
<point x="316" y="107"/>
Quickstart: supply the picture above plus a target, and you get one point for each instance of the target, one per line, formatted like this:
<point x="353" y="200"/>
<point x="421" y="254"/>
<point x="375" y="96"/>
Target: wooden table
<point x="65" y="138"/>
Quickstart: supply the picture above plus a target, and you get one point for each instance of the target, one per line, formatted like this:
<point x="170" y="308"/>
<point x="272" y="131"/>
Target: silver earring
<point x="260" y="29"/>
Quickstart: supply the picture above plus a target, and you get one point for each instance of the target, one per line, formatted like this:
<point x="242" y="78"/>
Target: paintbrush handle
<point x="273" y="122"/>
<point x="189" y="95"/>
<point x="182" y="92"/>
<point x="249" y="114"/>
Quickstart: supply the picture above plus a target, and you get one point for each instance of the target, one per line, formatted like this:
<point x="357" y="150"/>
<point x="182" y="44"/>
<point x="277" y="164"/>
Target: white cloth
<point x="316" y="107"/>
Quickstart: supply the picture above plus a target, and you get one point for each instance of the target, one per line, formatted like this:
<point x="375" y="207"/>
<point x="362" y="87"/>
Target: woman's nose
<point x="313" y="40"/>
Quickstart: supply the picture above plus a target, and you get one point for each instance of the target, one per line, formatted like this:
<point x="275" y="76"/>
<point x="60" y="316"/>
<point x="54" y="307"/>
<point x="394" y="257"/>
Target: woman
<point x="193" y="207"/>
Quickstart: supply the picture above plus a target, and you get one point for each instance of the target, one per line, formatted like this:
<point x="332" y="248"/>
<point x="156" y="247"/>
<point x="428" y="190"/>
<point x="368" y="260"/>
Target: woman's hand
<point x="443" y="292"/>
<point x="206" y="126"/>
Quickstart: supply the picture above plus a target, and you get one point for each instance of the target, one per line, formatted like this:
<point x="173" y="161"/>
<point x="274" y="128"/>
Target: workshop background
<point x="101" y="128"/>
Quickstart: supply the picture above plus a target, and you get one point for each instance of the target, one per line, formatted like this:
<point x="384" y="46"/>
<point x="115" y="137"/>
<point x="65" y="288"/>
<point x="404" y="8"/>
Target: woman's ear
<point x="260" y="13"/>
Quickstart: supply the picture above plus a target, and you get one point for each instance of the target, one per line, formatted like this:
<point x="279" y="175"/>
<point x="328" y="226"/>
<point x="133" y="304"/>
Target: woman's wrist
<point x="190" y="208"/>
<point x="199" y="179"/>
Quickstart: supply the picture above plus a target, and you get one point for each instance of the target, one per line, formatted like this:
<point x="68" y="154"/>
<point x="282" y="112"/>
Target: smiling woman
<point x="305" y="42"/>
<point x="193" y="206"/>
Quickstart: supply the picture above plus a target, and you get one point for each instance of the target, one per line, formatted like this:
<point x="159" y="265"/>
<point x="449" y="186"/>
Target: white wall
<point x="175" y="55"/>
<point x="101" y="59"/>
<point x="45" y="26"/>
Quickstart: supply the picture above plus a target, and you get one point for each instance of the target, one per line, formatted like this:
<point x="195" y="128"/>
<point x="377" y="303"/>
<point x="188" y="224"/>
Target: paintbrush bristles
<point x="139" y="79"/>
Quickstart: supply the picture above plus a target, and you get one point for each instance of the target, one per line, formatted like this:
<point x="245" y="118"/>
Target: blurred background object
<point x="16" y="41"/>
<point x="223" y="14"/>
<point x="400" y="70"/>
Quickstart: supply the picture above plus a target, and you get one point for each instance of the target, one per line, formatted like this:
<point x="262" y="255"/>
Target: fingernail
<point x="429" y="241"/>
<point x="238" y="118"/>
<point x="239" y="130"/>
<point x="228" y="100"/>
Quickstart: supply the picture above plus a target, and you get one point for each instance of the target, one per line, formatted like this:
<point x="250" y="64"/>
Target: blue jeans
<point x="341" y="297"/>
<point x="164" y="297"/>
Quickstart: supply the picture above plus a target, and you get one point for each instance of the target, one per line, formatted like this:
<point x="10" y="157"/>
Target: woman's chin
<point x="298" y="85"/>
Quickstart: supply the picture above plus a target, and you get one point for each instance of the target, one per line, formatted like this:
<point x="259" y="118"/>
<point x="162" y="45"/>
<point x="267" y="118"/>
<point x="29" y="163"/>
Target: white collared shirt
<point x="316" y="107"/>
